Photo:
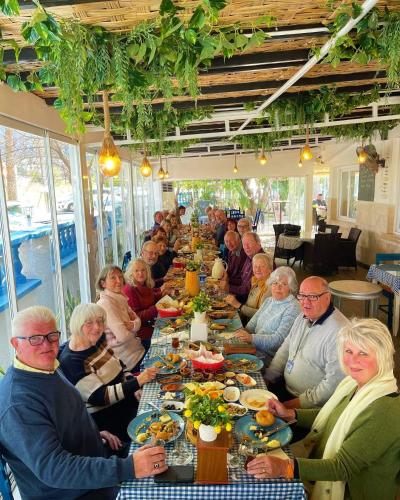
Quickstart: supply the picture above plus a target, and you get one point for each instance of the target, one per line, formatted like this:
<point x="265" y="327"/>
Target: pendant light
<point x="166" y="174"/>
<point x="235" y="167"/>
<point x="109" y="160"/>
<point x="145" y="167"/>
<point x="262" y="159"/>
<point x="161" y="173"/>
<point x="361" y="155"/>
<point x="300" y="164"/>
<point x="306" y="152"/>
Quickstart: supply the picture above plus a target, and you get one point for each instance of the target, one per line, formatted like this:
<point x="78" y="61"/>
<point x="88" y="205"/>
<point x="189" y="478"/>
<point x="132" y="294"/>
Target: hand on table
<point x="113" y="441"/>
<point x="177" y="245"/>
<point x="268" y="467"/>
<point x="244" y="336"/>
<point x="149" y="461"/>
<point x="280" y="410"/>
<point x="147" y="375"/>
<point x="292" y="404"/>
<point x="233" y="301"/>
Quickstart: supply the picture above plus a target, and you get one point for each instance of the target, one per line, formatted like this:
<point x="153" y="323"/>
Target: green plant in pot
<point x="200" y="305"/>
<point x="207" y="411"/>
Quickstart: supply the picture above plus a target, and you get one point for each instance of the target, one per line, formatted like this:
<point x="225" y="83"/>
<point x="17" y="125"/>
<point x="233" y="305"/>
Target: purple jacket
<point x="235" y="265"/>
<point x="242" y="290"/>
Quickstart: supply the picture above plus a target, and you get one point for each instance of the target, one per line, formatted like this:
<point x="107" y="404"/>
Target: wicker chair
<point x="284" y="253"/>
<point x="322" y="254"/>
<point x="347" y="249"/>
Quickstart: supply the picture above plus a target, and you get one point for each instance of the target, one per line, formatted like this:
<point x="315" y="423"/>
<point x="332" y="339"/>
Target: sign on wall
<point x="366" y="184"/>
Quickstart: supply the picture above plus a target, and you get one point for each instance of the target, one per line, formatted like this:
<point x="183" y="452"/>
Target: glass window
<point x="27" y="197"/>
<point x="348" y="193"/>
<point x="5" y="318"/>
<point x="61" y="163"/>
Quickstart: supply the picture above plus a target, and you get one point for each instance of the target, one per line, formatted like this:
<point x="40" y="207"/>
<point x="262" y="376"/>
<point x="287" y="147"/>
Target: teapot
<point x="218" y="269"/>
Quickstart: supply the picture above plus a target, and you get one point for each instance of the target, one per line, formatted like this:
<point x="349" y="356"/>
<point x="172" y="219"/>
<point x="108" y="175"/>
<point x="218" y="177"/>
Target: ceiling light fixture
<point x="161" y="173"/>
<point x="306" y="152"/>
<point x="262" y="159"/>
<point x="145" y="167"/>
<point x="362" y="155"/>
<point x="235" y="167"/>
<point x="300" y="164"/>
<point x="109" y="159"/>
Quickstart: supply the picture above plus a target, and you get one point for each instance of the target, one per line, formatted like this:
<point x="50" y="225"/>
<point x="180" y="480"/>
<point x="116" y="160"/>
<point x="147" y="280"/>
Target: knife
<point x="279" y="428"/>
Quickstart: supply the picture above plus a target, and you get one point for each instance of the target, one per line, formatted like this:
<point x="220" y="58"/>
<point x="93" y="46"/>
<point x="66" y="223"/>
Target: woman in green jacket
<point x="353" y="448"/>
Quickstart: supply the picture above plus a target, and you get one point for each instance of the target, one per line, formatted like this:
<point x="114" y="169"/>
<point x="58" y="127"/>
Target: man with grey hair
<point x="305" y="370"/>
<point x="150" y="255"/>
<point x="46" y="434"/>
<point x="251" y="246"/>
<point x="236" y="258"/>
<point x="243" y="226"/>
<point x="220" y="228"/>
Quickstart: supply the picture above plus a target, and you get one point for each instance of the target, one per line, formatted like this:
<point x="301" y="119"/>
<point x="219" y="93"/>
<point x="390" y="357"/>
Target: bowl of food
<point x="168" y="308"/>
<point x="209" y="366"/>
<point x="231" y="394"/>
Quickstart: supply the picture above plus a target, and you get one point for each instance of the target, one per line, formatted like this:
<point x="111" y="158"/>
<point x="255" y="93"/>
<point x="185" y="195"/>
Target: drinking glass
<point x="181" y="454"/>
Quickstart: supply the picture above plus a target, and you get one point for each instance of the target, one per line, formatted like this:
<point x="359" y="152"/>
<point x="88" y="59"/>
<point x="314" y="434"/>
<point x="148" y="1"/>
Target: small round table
<point x="357" y="290"/>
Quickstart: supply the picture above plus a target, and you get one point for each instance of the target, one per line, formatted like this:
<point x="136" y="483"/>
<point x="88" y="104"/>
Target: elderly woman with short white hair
<point x="88" y="363"/>
<point x="271" y="324"/>
<point x="259" y="291"/>
<point x="354" y="442"/>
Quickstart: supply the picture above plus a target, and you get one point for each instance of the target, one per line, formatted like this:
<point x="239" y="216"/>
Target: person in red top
<point x="142" y="297"/>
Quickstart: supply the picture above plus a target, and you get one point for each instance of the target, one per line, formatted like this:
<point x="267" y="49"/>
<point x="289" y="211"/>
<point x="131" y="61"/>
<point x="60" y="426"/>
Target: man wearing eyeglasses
<point x="46" y="434"/>
<point x="305" y="370"/>
<point x="150" y="253"/>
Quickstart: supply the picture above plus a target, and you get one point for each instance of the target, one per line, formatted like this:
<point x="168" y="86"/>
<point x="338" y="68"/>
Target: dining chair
<point x="5" y="484"/>
<point x="322" y="254"/>
<point x="347" y="256"/>
<point x="385" y="258"/>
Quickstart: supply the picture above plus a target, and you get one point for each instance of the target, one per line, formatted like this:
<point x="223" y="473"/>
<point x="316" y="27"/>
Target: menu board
<point x="366" y="184"/>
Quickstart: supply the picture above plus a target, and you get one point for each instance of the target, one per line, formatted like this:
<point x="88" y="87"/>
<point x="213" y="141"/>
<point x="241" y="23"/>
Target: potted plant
<point x="200" y="305"/>
<point x="207" y="412"/>
<point x="192" y="284"/>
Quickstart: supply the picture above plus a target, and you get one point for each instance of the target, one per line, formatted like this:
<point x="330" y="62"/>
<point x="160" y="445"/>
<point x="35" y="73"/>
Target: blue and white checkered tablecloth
<point x="242" y="486"/>
<point x="387" y="274"/>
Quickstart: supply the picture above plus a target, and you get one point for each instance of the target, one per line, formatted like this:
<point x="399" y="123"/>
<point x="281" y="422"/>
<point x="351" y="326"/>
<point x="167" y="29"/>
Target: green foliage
<point x="70" y="303"/>
<point x="205" y="408"/>
<point x="202" y="302"/>
<point x="192" y="266"/>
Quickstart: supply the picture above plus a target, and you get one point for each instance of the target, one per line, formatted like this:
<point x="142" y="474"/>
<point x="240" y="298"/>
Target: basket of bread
<point x="168" y="307"/>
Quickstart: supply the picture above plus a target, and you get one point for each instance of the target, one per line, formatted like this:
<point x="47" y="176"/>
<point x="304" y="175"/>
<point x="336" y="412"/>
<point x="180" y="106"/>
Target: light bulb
<point x="166" y="174"/>
<point x="306" y="153"/>
<point x="300" y="164"/>
<point x="262" y="159"/>
<point x="362" y="157"/>
<point x="109" y="160"/>
<point x="235" y="169"/>
<point x="161" y="173"/>
<point x="145" y="167"/>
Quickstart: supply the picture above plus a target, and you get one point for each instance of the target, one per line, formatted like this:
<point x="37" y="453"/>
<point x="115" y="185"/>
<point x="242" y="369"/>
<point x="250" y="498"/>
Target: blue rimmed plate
<point x="163" y="370"/>
<point x="141" y="425"/>
<point x="244" y="363"/>
<point x="245" y="427"/>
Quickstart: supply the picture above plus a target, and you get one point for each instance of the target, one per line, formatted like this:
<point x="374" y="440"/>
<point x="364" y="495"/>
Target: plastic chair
<point x="5" y="485"/>
<point x="381" y="258"/>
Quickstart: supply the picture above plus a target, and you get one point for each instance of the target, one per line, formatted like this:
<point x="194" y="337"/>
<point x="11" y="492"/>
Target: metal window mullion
<point x="7" y="251"/>
<point x="131" y="212"/>
<point x="102" y="260"/>
<point x="80" y="225"/>
<point x="56" y="237"/>
<point x="114" y="225"/>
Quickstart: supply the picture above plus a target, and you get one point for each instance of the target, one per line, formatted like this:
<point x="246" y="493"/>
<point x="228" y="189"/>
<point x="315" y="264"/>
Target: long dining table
<point x="241" y="485"/>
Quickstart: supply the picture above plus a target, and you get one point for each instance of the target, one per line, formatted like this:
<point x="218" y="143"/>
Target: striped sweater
<point x="98" y="375"/>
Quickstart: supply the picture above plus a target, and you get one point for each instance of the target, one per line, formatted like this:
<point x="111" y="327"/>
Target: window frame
<point x="349" y="169"/>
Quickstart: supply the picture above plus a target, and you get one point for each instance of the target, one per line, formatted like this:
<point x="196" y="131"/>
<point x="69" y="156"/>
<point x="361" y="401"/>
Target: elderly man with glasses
<point x="243" y="226"/>
<point x="305" y="370"/>
<point x="150" y="254"/>
<point x="46" y="434"/>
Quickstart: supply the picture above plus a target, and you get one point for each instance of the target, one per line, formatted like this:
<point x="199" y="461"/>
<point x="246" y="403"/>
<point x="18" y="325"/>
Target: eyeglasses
<point x="279" y="283"/>
<point x="311" y="298"/>
<point x="242" y="225"/>
<point x="39" y="339"/>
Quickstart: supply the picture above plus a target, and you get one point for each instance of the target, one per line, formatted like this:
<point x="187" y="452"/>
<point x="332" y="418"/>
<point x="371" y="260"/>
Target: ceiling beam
<point x="365" y="8"/>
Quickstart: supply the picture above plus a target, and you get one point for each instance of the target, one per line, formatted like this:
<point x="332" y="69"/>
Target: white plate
<point x="247" y="397"/>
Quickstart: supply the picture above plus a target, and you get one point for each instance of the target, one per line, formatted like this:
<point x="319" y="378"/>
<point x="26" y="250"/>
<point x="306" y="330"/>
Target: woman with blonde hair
<point x="353" y="447"/>
<point x="122" y="322"/>
<point x="259" y="291"/>
<point x="88" y="363"/>
<point x="142" y="297"/>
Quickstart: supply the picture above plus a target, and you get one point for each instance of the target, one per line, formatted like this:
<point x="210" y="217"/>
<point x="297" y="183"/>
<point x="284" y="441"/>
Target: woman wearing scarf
<point x="262" y="267"/>
<point x="271" y="324"/>
<point x="354" y="442"/>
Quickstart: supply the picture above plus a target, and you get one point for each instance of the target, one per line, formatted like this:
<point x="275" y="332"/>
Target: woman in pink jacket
<point x="122" y="322"/>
